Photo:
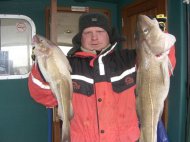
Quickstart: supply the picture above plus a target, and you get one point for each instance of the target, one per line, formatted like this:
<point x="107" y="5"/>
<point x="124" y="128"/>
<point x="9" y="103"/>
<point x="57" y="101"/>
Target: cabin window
<point x="16" y="33"/>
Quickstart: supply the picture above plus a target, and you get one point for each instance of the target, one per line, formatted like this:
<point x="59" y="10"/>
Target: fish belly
<point x="152" y="92"/>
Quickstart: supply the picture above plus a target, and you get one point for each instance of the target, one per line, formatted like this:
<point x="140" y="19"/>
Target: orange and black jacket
<point x="103" y="97"/>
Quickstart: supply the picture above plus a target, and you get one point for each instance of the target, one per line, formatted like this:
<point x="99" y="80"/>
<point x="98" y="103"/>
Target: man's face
<point x="94" y="38"/>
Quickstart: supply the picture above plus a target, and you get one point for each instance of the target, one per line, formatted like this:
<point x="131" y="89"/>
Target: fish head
<point x="145" y="27"/>
<point x="41" y="46"/>
<point x="148" y="34"/>
<point x="38" y="39"/>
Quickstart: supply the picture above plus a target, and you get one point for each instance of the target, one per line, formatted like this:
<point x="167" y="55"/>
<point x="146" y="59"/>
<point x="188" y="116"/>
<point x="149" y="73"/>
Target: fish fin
<point x="169" y="41"/>
<point x="161" y="112"/>
<point x="65" y="108"/>
<point x="55" y="87"/>
<point x="138" y="80"/>
<point x="65" y="135"/>
<point x="65" y="60"/>
<point x="138" y="107"/>
<point x="43" y="65"/>
<point x="59" y="112"/>
<point x="170" y="67"/>
<point x="71" y="111"/>
<point x="164" y="73"/>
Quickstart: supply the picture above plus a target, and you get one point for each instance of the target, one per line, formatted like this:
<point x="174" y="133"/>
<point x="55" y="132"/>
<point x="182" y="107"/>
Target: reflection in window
<point x="16" y="33"/>
<point x="17" y="60"/>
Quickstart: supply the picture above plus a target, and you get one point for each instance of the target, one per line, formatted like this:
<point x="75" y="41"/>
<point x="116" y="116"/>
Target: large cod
<point x="56" y="69"/>
<point x="153" y="79"/>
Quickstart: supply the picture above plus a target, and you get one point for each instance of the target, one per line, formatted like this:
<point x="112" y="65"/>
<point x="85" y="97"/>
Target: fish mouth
<point x="143" y="18"/>
<point x="35" y="39"/>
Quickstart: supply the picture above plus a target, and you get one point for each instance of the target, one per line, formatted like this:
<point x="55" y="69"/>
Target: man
<point x="103" y="83"/>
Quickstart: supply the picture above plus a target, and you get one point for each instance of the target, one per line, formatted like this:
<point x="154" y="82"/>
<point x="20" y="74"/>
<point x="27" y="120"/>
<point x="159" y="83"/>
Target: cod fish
<point x="153" y="80"/>
<point x="56" y="69"/>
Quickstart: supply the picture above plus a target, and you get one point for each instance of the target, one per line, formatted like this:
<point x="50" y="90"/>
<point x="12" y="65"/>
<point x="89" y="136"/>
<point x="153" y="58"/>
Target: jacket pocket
<point x="83" y="85"/>
<point x="123" y="82"/>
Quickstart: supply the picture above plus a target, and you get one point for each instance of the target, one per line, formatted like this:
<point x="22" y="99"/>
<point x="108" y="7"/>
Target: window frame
<point x="33" y="32"/>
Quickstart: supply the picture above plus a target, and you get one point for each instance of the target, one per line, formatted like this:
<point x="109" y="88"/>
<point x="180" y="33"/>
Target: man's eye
<point x="101" y="31"/>
<point x="87" y="33"/>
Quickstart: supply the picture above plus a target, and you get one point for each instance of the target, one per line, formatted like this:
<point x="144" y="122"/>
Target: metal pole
<point x="187" y="136"/>
<point x="49" y="124"/>
<point x="53" y="37"/>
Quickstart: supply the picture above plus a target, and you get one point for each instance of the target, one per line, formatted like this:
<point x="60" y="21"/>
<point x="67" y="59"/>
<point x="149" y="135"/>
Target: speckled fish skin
<point x="56" y="70"/>
<point x="153" y="78"/>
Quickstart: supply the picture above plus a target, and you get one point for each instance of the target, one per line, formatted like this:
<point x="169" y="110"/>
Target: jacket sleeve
<point x="39" y="89"/>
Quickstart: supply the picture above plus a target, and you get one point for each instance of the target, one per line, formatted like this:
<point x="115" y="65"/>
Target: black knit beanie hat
<point x="91" y="20"/>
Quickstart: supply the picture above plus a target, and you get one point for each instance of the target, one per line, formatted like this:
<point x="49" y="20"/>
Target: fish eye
<point x="145" y="31"/>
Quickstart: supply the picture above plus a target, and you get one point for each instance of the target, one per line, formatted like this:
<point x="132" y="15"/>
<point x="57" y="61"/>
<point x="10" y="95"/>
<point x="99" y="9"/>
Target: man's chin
<point x="96" y="48"/>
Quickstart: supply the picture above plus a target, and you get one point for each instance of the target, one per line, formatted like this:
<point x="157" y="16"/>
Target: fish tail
<point x="65" y="103"/>
<point x="65" y="132"/>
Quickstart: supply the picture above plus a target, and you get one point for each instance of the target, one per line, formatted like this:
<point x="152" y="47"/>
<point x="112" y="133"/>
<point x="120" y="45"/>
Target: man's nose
<point x="94" y="36"/>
